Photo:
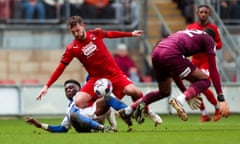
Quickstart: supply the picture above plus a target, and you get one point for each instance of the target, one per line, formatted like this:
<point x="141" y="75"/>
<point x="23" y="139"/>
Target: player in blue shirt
<point x="80" y="119"/>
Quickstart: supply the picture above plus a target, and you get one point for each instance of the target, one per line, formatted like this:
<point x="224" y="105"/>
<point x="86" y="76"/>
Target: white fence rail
<point x="21" y="100"/>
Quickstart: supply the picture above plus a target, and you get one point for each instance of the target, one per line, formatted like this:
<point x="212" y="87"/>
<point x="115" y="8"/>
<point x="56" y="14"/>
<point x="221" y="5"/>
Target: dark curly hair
<point x="72" y="81"/>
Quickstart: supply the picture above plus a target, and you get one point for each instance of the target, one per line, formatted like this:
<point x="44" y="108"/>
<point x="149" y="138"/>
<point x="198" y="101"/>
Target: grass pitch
<point x="172" y="131"/>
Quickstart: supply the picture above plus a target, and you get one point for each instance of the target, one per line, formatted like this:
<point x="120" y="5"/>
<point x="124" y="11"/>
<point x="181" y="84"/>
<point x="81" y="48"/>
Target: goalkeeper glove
<point x="195" y="103"/>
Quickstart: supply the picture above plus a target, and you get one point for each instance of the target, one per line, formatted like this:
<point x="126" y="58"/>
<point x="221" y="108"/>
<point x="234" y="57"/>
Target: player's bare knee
<point x="135" y="95"/>
<point x="81" y="104"/>
<point x="132" y="91"/>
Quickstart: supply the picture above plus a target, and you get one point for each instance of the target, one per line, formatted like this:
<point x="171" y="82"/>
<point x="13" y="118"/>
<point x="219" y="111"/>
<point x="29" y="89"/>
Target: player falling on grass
<point x="88" y="47"/>
<point x="82" y="120"/>
<point x="201" y="59"/>
<point x="169" y="59"/>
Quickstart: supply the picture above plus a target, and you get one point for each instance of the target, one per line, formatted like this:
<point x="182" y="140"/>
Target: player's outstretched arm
<point x="33" y="121"/>
<point x="46" y="127"/>
<point x="42" y="92"/>
<point x="224" y="109"/>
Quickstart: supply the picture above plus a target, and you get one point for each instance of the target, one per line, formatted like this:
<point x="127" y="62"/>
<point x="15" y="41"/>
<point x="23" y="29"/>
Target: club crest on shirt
<point x="89" y="49"/>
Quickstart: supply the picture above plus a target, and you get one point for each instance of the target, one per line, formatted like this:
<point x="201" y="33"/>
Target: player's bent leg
<point x="152" y="97"/>
<point x="212" y="99"/>
<point x="82" y="99"/>
<point x="111" y="117"/>
<point x="133" y="91"/>
<point x="217" y="115"/>
<point x="138" y="114"/>
<point x="114" y="103"/>
<point x="142" y="109"/>
<point x="126" y="118"/>
<point x="119" y="106"/>
<point x="82" y="123"/>
<point x="155" y="118"/>
<point x="79" y="126"/>
<point x="204" y="116"/>
<point x="101" y="107"/>
<point x="135" y="94"/>
<point x="199" y="83"/>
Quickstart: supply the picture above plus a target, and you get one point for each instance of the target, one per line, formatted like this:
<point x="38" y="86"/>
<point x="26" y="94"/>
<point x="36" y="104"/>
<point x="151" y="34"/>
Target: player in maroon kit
<point x="89" y="48"/>
<point x="169" y="59"/>
<point x="201" y="59"/>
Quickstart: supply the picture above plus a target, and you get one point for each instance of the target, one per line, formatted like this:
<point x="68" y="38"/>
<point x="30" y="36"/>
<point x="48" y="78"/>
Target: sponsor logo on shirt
<point x="89" y="49"/>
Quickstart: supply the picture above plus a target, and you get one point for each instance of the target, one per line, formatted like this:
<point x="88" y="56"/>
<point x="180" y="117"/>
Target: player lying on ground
<point x="81" y="119"/>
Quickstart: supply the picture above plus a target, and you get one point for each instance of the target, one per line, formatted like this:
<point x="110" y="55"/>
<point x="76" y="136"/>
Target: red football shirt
<point x="92" y="53"/>
<point x="201" y="60"/>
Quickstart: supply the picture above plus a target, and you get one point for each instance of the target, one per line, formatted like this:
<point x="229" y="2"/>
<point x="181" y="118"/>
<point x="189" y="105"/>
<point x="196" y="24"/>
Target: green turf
<point x="172" y="131"/>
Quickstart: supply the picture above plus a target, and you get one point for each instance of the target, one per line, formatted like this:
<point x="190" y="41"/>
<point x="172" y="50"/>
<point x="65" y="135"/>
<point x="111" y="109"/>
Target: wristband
<point x="221" y="98"/>
<point x="44" y="126"/>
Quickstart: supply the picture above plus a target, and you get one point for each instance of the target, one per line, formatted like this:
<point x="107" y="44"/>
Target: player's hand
<point x="42" y="92"/>
<point x="137" y="33"/>
<point x="224" y="109"/>
<point x="195" y="103"/>
<point x="33" y="121"/>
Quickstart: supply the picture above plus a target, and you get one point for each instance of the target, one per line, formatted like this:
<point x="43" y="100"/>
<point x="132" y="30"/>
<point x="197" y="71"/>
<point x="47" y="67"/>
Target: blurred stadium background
<point x="30" y="49"/>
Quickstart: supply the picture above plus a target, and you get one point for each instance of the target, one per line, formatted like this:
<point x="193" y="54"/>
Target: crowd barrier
<point x="20" y="100"/>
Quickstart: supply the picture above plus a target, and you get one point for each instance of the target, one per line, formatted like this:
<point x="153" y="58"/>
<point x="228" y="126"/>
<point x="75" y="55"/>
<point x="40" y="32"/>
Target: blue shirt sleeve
<point x="57" y="129"/>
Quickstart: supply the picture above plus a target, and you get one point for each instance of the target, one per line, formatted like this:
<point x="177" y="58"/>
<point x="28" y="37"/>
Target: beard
<point x="81" y="37"/>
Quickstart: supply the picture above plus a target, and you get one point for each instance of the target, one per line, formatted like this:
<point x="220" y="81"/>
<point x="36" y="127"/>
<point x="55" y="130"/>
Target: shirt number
<point x="191" y="32"/>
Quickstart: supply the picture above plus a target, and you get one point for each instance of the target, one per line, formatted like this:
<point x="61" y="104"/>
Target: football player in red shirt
<point x="201" y="59"/>
<point x="89" y="48"/>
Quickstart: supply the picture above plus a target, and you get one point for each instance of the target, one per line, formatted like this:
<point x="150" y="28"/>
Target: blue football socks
<point x="114" y="103"/>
